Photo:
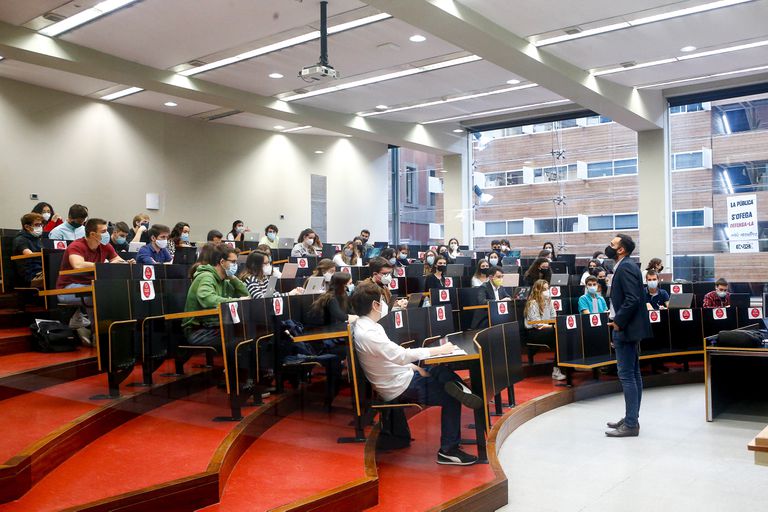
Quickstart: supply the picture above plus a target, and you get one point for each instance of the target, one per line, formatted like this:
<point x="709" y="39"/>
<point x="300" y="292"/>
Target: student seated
<point x="256" y="274"/>
<point x="203" y="258"/>
<point x="270" y="237"/>
<point x="81" y="254"/>
<point x="437" y="278"/>
<point x="214" y="236"/>
<point x="73" y="228"/>
<point x="156" y="251"/>
<point x="602" y="281"/>
<point x="179" y="238"/>
<point x="365" y="238"/>
<point x="333" y="306"/>
<point x="50" y="218"/>
<point x="388" y="253"/>
<point x="349" y="256"/>
<point x="119" y="238"/>
<point x="430" y="258"/>
<point x="493" y="286"/>
<point x="453" y="249"/>
<point x="654" y="264"/>
<point x="592" y="301"/>
<point x="237" y="232"/>
<point x="139" y="231"/>
<point x="442" y="250"/>
<point x="480" y="277"/>
<point x="28" y="242"/>
<point x="381" y="276"/>
<point x="390" y="370"/>
<point x="402" y="255"/>
<point x="325" y="268"/>
<point x="213" y="284"/>
<point x="275" y="271"/>
<point x="305" y="244"/>
<point x="494" y="259"/>
<point x="539" y="269"/>
<point x="539" y="307"/>
<point x="549" y="246"/>
<point x="655" y="297"/>
<point x="719" y="297"/>
<point x="590" y="271"/>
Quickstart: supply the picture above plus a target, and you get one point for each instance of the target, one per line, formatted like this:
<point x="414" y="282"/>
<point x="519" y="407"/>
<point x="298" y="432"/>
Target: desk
<point x="66" y="291"/>
<point x="735" y="376"/>
<point x="470" y="361"/>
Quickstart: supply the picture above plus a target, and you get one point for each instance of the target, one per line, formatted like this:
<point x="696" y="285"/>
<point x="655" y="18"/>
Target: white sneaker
<point x="79" y="320"/>
<point x="557" y="374"/>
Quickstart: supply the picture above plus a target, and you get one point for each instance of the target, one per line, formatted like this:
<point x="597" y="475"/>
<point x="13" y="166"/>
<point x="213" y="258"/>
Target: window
<point x="568" y="224"/>
<point x="628" y="166"/>
<point x="612" y="168"/>
<point x="432" y="195"/>
<point x="515" y="227"/>
<point x="410" y="185"/>
<point x="599" y="169"/>
<point x="495" y="228"/>
<point x="545" y="226"/>
<point x="610" y="222"/>
<point x="682" y="109"/>
<point x="692" y="160"/>
<point x="625" y="221"/>
<point x="600" y="222"/>
<point x="596" y="120"/>
<point x="688" y="219"/>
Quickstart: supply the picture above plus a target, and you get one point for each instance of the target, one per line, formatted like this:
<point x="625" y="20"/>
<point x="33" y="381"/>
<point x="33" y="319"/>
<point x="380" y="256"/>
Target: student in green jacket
<point x="211" y="285"/>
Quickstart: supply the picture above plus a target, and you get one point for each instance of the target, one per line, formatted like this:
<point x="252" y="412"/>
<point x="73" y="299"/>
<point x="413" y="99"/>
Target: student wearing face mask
<point x="50" y="218"/>
<point x="602" y="260"/>
<point x="549" y="246"/>
<point x="30" y="271"/>
<point x="719" y="297"/>
<point x="236" y="233"/>
<point x="212" y="284"/>
<point x="333" y="306"/>
<point x="442" y="250"/>
<point x="381" y="276"/>
<point x="539" y="269"/>
<point x="325" y="268"/>
<point x="504" y="247"/>
<point x="494" y="259"/>
<point x="591" y="301"/>
<point x="496" y="247"/>
<point x="84" y="253"/>
<point x="654" y="264"/>
<point x="494" y="289"/>
<point x="480" y="276"/>
<point x="453" y="249"/>
<point x="256" y="273"/>
<point x="156" y="251"/>
<point x="391" y="371"/>
<point x="602" y="281"/>
<point x="655" y="297"/>
<point x="119" y="238"/>
<point x="539" y="307"/>
<point x="73" y="228"/>
<point x="590" y="271"/>
<point x="179" y="238"/>
<point x="349" y="256"/>
<point x="305" y="244"/>
<point x="437" y="278"/>
<point x="402" y="255"/>
<point x="430" y="257"/>
<point x="270" y="237"/>
<point x="140" y="227"/>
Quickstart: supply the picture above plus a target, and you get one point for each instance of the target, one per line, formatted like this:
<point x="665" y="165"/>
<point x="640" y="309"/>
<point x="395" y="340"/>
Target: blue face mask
<point x="184" y="237"/>
<point x="120" y="240"/>
<point x="392" y="261"/>
<point x="104" y="238"/>
<point x="231" y="270"/>
<point x="350" y="288"/>
<point x="271" y="235"/>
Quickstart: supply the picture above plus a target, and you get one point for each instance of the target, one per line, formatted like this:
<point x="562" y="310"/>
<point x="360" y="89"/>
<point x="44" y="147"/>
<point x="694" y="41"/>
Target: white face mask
<point x="327" y="276"/>
<point x="239" y="229"/>
<point x="545" y="294"/>
<point x="37" y="231"/>
<point x="493" y="261"/>
<point x="384" y="308"/>
<point x="46" y="217"/>
<point x="162" y="243"/>
<point x="386" y="279"/>
<point x="267" y="269"/>
<point x="309" y="241"/>
<point x="454" y="247"/>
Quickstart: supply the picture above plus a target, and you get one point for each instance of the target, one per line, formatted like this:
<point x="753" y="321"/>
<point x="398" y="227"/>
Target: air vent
<point x="628" y="64"/>
<point x="572" y="30"/>
<point x="52" y="16"/>
<point x="224" y="114"/>
<point x="301" y="91"/>
<point x="196" y="63"/>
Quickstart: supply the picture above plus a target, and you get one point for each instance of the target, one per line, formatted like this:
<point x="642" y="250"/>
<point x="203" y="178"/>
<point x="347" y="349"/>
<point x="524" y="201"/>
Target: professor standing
<point x="629" y="319"/>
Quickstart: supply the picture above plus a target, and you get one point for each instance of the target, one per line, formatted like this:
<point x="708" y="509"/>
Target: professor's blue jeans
<point x="628" y="363"/>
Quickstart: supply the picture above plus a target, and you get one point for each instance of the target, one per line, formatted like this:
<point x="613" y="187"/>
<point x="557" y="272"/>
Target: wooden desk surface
<point x="463" y="340"/>
<point x="77" y="271"/>
<point x="191" y="314"/>
<point x="27" y="256"/>
<point x="323" y="333"/>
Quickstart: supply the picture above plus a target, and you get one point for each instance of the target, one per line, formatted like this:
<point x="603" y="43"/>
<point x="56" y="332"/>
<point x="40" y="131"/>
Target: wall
<point x="69" y="149"/>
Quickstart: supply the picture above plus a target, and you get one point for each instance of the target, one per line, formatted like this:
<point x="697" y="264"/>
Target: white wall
<point x="69" y="149"/>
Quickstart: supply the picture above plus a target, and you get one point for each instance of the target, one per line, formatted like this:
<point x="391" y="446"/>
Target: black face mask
<point x="75" y="225"/>
<point x="544" y="273"/>
<point x="610" y="252"/>
<point x="441" y="268"/>
<point x="603" y="283"/>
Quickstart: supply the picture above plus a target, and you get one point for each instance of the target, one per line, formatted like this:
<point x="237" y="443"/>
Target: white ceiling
<point x="166" y="33"/>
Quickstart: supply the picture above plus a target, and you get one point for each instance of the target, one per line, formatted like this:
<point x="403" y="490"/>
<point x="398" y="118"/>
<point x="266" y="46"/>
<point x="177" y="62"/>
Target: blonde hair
<point x="536" y="296"/>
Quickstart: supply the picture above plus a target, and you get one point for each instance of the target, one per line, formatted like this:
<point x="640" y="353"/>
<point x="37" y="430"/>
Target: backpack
<point x="52" y="336"/>
<point x="744" y="338"/>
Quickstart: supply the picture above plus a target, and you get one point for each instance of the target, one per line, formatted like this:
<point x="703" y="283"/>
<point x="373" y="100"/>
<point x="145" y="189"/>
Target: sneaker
<point x="85" y="336"/>
<point x="455" y="457"/>
<point x="463" y="394"/>
<point x="79" y="320"/>
<point x="557" y="374"/>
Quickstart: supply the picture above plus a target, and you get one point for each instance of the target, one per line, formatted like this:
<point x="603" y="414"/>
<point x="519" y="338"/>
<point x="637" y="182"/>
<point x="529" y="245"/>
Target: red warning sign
<point x="594" y="321"/>
<point x="654" y="317"/>
<point x="147" y="290"/>
<point x="686" y="315"/>
<point x="719" y="313"/>
<point x="398" y="319"/>
<point x="440" y="313"/>
<point x="570" y="322"/>
<point x="149" y="273"/>
<point x="277" y="305"/>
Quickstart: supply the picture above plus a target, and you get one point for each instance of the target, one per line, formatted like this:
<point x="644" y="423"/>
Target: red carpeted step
<point x="293" y="460"/>
<point x="12" y="318"/>
<point x="14" y="340"/>
<point x="15" y="363"/>
<point x="173" y="441"/>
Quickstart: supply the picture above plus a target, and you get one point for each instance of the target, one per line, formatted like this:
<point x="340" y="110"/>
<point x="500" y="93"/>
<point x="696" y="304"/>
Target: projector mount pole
<point x="324" y="33"/>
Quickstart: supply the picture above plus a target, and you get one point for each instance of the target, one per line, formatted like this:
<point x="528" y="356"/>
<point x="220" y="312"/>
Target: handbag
<point x="52" y="336"/>
<point x="743" y="338"/>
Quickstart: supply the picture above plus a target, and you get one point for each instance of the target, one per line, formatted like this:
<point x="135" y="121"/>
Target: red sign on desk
<point x="400" y="271"/>
<point x="440" y="310"/>
<point x="149" y="273"/>
<point x="557" y="304"/>
<point x="686" y="315"/>
<point x="448" y="282"/>
<point x="554" y="291"/>
<point x="676" y="288"/>
<point x="719" y="314"/>
<point x="60" y="245"/>
<point x="444" y="296"/>
<point x="277" y="305"/>
<point x="654" y="317"/>
<point x="594" y="321"/>
<point x="570" y="322"/>
<point x="147" y="290"/>
<point x="433" y="248"/>
<point x="394" y="284"/>
<point x="755" y="313"/>
<point x="398" y="319"/>
<point x="348" y="270"/>
<point x="233" y="312"/>
<point x="337" y="247"/>
<point x="502" y="308"/>
<point x="303" y="263"/>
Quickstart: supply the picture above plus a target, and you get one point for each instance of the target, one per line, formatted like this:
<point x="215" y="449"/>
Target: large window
<point x="571" y="182"/>
<point x="719" y="202"/>
<point x="420" y="205"/>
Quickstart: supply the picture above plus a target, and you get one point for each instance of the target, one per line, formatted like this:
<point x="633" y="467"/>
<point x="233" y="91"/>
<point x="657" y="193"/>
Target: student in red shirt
<point x="84" y="253"/>
<point x="719" y="297"/>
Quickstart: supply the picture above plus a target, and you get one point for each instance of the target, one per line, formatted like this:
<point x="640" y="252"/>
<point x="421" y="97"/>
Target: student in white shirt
<point x="74" y="228"/>
<point x="390" y="369"/>
<point x="305" y="244"/>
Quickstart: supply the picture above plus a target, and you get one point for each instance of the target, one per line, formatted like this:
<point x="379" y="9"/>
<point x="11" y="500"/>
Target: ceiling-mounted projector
<point x="322" y="69"/>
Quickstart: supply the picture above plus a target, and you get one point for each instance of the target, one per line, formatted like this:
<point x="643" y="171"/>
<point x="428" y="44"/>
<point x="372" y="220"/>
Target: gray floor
<point x="562" y="461"/>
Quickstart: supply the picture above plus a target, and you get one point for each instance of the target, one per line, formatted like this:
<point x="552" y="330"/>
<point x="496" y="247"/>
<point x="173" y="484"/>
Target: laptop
<point x="414" y="300"/>
<point x="512" y="280"/>
<point x="286" y="243"/>
<point x="373" y="252"/>
<point x="680" y="300"/>
<point x="185" y="255"/>
<point x="289" y="270"/>
<point x="250" y="236"/>
<point x="665" y="278"/>
<point x="271" y="287"/>
<point x="135" y="246"/>
<point x="314" y="285"/>
<point x="558" y="280"/>
<point x="454" y="270"/>
<point x="558" y="267"/>
<point x="740" y="300"/>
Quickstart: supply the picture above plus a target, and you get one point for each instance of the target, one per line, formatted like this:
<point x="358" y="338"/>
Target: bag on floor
<point x="52" y="336"/>
<point x="395" y="433"/>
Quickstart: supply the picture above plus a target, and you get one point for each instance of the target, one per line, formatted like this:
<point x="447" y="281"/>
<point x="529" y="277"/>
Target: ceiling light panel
<point x="84" y="16"/>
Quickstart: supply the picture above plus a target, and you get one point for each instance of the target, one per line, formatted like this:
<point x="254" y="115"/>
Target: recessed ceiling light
<point x="418" y="38"/>
<point x="318" y="152"/>
<point x="97" y="11"/>
<point x="687" y="48"/>
<point x="279" y="127"/>
<point x="381" y="107"/>
<point x="275" y="75"/>
<point x="122" y="93"/>
<point x="297" y="128"/>
<point x="458" y="130"/>
<point x="513" y="82"/>
<point x="171" y="104"/>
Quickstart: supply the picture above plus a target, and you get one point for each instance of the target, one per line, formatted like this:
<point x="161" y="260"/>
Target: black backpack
<point x="742" y="338"/>
<point x="52" y="336"/>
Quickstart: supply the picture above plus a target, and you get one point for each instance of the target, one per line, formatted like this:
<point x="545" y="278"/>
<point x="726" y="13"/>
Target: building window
<point x="495" y="228"/>
<point x="599" y="169"/>
<point x="682" y="109"/>
<point x="611" y="222"/>
<point x="600" y="222"/>
<point x="688" y="219"/>
<point x="545" y="226"/>
<point x="568" y="224"/>
<point x="515" y="227"/>
<point x="625" y="221"/>
<point x="410" y="185"/>
<point x="627" y="166"/>
<point x="612" y="168"/>
<point x="692" y="160"/>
